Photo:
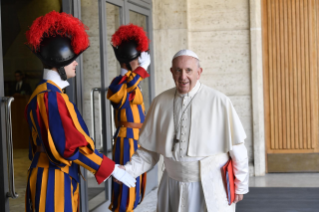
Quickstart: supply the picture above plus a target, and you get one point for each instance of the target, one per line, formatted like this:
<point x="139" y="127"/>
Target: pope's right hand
<point x="124" y="177"/>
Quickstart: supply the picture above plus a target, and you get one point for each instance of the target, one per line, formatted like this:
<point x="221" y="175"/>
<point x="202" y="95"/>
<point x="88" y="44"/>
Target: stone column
<point x="257" y="88"/>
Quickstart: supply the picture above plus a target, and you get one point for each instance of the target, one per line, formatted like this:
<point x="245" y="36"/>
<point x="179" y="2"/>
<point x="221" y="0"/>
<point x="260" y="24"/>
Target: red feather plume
<point x="63" y="24"/>
<point x="131" y="32"/>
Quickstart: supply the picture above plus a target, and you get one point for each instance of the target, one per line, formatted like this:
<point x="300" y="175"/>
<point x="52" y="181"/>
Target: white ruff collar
<point x="55" y="77"/>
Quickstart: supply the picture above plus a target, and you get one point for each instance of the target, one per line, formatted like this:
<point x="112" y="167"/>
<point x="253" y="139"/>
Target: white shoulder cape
<point x="215" y="125"/>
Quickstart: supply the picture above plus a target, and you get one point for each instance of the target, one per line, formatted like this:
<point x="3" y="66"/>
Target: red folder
<point x="229" y="179"/>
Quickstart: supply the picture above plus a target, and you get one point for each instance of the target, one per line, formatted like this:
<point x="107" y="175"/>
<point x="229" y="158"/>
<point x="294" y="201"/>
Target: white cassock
<point x="209" y="130"/>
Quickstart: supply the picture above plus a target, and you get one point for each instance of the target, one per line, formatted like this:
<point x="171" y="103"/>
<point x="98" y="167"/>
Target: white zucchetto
<point x="186" y="52"/>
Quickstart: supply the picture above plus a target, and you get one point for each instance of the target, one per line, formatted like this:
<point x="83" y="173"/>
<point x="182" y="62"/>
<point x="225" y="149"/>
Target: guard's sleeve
<point x="121" y="86"/>
<point x="68" y="137"/>
<point x="142" y="161"/>
<point x="240" y="167"/>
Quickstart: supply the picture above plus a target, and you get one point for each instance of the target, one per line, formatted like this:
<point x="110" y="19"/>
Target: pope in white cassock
<point x="196" y="129"/>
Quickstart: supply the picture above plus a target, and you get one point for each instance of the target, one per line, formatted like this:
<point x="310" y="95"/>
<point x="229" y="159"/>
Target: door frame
<point x="75" y="93"/>
<point x="4" y="206"/>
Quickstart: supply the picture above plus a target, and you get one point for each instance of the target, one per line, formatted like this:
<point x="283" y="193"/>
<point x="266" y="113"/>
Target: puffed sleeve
<point x="235" y="133"/>
<point x="122" y="85"/>
<point x="240" y="167"/>
<point x="236" y="136"/>
<point x="141" y="162"/>
<point x="68" y="138"/>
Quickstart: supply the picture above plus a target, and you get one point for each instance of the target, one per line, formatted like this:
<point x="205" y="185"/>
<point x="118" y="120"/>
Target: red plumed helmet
<point x="57" y="38"/>
<point x="128" y="42"/>
<point x="63" y="24"/>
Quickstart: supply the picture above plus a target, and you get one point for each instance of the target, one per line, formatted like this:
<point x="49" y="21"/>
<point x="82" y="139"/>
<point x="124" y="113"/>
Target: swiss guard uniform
<point x="129" y="43"/>
<point x="59" y="139"/>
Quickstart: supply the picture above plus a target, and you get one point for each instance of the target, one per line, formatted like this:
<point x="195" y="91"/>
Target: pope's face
<point x="70" y="69"/>
<point x="186" y="72"/>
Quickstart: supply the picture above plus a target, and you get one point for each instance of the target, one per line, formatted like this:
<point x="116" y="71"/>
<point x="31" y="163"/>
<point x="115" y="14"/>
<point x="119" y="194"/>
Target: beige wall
<point x="219" y="32"/>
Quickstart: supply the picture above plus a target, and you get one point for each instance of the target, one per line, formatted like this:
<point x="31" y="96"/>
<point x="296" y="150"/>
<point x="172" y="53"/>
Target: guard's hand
<point x="121" y="175"/>
<point x="238" y="197"/>
<point x="144" y="60"/>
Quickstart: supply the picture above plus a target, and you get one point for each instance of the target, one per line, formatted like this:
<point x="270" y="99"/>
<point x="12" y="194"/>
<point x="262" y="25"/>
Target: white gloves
<point x="144" y="60"/>
<point x="123" y="176"/>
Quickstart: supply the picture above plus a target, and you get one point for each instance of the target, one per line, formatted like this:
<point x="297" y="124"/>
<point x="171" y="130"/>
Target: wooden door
<point x="290" y="56"/>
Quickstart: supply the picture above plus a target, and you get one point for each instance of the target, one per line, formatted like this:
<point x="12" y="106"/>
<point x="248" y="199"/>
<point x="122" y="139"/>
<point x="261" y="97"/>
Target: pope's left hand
<point x="238" y="197"/>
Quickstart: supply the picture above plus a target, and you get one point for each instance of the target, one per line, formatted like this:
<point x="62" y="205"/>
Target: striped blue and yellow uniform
<point x="127" y="101"/>
<point x="59" y="144"/>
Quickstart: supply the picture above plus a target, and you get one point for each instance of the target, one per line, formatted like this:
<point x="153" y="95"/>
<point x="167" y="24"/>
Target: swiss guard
<point x="130" y="44"/>
<point x="59" y="138"/>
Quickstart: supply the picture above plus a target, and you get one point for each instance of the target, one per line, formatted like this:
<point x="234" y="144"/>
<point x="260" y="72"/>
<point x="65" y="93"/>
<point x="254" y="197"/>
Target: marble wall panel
<point x="169" y="14"/>
<point x="166" y="44"/>
<point x="231" y="84"/>
<point x="222" y="51"/>
<point x="209" y="15"/>
<point x="225" y="59"/>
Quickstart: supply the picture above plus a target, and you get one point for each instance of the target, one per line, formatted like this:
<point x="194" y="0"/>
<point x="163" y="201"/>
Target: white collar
<point x="192" y="92"/>
<point x="123" y="71"/>
<point x="55" y="77"/>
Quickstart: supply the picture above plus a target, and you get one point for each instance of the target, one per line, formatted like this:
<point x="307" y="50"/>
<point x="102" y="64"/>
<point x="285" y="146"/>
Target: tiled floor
<point x="21" y="164"/>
